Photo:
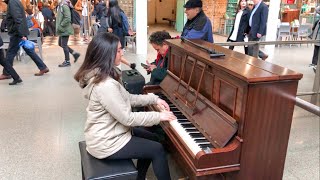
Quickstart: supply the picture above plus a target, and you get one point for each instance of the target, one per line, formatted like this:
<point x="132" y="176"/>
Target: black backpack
<point x="75" y="17"/>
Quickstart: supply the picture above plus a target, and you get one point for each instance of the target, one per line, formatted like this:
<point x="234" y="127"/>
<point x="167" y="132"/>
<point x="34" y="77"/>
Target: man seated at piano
<point x="110" y="129"/>
<point x="198" y="25"/>
<point x="158" y="68"/>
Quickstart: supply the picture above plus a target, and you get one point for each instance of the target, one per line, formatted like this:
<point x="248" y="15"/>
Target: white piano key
<point x="194" y="147"/>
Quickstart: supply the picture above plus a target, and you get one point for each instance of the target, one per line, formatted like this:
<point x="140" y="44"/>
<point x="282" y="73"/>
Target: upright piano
<point x="234" y="113"/>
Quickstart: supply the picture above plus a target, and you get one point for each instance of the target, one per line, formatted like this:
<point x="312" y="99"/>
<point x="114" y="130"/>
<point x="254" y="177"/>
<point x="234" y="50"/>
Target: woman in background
<point x="241" y="25"/>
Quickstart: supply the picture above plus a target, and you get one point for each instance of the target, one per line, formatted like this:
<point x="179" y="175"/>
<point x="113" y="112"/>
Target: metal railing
<point x="311" y="107"/>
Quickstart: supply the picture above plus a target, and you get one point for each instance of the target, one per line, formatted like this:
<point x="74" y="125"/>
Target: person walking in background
<point x="198" y="25"/>
<point x="111" y="130"/>
<point x="258" y="26"/>
<point x="64" y="29"/>
<point x="49" y="27"/>
<point x="18" y="31"/>
<point x="240" y="26"/>
<point x="8" y="68"/>
<point x="115" y="21"/>
<point x="158" y="68"/>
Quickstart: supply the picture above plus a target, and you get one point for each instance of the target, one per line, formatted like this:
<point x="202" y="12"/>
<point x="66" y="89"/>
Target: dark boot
<point x="15" y="82"/>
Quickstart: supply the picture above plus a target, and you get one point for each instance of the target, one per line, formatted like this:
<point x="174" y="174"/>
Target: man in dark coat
<point x="18" y="31"/>
<point x="198" y="25"/>
<point x="258" y="26"/>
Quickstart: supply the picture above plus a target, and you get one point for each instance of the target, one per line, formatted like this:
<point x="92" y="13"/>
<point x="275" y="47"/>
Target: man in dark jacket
<point x="18" y="31"/>
<point x="258" y="26"/>
<point x="198" y="25"/>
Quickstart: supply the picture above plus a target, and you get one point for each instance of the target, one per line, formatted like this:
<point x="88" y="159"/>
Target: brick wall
<point x="215" y="10"/>
<point x="127" y="7"/>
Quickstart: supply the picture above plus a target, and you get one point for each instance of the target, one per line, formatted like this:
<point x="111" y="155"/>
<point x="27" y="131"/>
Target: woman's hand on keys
<point x="167" y="116"/>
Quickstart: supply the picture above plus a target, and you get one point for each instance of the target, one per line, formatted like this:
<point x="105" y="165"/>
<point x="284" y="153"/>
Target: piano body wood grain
<point x="241" y="105"/>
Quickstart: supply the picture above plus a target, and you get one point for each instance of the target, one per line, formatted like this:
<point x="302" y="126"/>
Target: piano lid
<point x="242" y="66"/>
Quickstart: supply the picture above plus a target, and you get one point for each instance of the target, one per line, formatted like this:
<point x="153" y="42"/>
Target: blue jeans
<point x="13" y="50"/>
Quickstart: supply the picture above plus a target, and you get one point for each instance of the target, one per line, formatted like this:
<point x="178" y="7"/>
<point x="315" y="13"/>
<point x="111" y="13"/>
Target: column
<point x="272" y="24"/>
<point x="141" y="27"/>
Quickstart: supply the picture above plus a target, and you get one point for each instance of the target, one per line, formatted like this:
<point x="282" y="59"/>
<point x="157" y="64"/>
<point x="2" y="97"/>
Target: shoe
<point x="65" y="64"/>
<point x="2" y="77"/>
<point x="14" y="82"/>
<point x="42" y="72"/>
<point x="76" y="56"/>
<point x="312" y="65"/>
<point x="314" y="68"/>
<point x="264" y="57"/>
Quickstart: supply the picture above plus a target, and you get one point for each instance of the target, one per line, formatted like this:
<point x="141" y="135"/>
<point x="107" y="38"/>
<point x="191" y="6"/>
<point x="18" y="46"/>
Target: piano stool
<point x="93" y="168"/>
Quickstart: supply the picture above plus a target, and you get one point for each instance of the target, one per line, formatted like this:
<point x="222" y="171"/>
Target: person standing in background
<point x="64" y="29"/>
<point x="258" y="26"/>
<point x="115" y="21"/>
<point x="240" y="26"/>
<point x="198" y="25"/>
<point x="316" y="36"/>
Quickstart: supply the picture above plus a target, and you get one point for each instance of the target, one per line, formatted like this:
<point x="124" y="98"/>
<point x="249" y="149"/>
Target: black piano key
<point x="206" y="146"/>
<point x="183" y="120"/>
<point x="196" y="135"/>
<point x="201" y="140"/>
<point x="187" y="125"/>
<point x="181" y="117"/>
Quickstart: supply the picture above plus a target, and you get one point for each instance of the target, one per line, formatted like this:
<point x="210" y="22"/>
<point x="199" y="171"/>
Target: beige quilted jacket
<point x="109" y="116"/>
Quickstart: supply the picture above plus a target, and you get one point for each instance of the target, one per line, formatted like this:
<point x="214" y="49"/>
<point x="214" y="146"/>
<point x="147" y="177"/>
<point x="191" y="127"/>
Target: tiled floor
<point x="42" y="120"/>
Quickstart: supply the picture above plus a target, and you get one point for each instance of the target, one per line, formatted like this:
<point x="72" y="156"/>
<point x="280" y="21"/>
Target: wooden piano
<point x="234" y="112"/>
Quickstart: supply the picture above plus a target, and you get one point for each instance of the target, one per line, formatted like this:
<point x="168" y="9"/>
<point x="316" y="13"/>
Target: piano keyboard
<point x="186" y="130"/>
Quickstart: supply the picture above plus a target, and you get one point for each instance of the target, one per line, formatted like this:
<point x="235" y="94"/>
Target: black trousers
<point x="232" y="47"/>
<point x="7" y="66"/>
<point x="63" y="42"/>
<point x="315" y="54"/>
<point x="143" y="147"/>
<point x="252" y="48"/>
<point x="13" y="51"/>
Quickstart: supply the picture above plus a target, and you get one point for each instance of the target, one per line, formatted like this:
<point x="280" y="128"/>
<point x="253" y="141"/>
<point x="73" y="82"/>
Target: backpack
<point x="124" y="23"/>
<point x="75" y="17"/>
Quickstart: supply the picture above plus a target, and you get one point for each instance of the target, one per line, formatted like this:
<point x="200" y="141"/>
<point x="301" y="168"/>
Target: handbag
<point x="27" y="44"/>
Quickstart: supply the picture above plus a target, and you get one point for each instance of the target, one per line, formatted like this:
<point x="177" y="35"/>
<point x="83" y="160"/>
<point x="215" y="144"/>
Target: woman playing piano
<point x="110" y="127"/>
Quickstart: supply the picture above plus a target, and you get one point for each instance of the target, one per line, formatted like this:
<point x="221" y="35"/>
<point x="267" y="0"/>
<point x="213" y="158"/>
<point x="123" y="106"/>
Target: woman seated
<point x="32" y="22"/>
<point x="111" y="128"/>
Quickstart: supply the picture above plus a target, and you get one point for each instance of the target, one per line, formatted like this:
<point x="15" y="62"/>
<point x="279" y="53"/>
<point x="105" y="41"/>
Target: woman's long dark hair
<point x="101" y="53"/>
<point x="114" y="11"/>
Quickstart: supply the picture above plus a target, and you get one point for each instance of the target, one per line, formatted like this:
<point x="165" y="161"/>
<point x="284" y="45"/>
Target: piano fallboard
<point x="218" y="160"/>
